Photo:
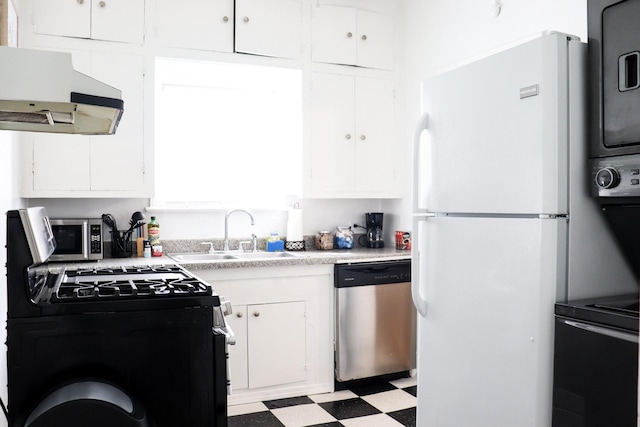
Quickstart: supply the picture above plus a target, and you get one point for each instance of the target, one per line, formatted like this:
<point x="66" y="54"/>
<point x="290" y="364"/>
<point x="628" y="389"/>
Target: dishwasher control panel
<point x="372" y="273"/>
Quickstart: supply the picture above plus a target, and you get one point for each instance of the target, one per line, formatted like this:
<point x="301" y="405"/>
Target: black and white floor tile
<point x="379" y="404"/>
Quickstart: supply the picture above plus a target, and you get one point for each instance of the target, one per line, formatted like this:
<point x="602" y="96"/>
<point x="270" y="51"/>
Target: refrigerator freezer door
<point x="497" y="134"/>
<point x="485" y="344"/>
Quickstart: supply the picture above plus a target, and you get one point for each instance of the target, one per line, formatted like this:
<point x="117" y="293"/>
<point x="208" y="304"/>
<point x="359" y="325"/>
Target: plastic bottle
<point x="153" y="229"/>
<point x="274" y="244"/>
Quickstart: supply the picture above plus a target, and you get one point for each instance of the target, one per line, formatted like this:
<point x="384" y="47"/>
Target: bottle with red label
<point x="153" y="229"/>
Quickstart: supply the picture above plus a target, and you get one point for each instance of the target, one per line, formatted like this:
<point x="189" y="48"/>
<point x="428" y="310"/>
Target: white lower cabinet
<point x="282" y="362"/>
<point x="255" y="361"/>
<point x="283" y="322"/>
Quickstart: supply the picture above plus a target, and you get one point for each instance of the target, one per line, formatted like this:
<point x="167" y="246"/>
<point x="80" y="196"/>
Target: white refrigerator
<point x="503" y="226"/>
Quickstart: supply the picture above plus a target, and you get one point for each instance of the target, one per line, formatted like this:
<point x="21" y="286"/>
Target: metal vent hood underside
<point x="41" y="92"/>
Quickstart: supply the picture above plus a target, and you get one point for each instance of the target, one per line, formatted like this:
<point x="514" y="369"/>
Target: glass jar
<point x="324" y="240"/>
<point x="343" y="238"/>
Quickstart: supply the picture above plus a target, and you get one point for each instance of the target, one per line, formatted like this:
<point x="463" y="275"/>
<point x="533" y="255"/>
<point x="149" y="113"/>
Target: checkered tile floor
<point x="379" y="404"/>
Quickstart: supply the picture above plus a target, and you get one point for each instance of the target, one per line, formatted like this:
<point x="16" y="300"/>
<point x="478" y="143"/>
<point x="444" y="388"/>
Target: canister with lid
<point x="343" y="238"/>
<point x="324" y="240"/>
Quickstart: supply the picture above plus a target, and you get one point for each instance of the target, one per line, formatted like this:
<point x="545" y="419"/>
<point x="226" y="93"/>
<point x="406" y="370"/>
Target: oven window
<point x="68" y="239"/>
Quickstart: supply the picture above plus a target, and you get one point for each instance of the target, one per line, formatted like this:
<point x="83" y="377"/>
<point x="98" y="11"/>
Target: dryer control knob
<point x="607" y="177"/>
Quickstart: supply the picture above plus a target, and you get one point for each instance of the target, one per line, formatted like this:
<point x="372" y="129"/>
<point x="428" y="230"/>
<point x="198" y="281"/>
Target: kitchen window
<point x="226" y="134"/>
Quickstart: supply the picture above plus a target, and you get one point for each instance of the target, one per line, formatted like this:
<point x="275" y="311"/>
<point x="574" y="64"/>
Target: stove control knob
<point x="607" y="177"/>
<point x="225" y="306"/>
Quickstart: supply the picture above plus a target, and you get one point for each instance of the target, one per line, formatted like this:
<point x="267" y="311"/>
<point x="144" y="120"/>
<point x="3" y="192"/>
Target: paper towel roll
<point x="294" y="226"/>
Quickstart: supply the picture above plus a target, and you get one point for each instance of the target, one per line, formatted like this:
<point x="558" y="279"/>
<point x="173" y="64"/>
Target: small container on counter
<point x="403" y="240"/>
<point x="343" y="238"/>
<point x="146" y="252"/>
<point x="324" y="240"/>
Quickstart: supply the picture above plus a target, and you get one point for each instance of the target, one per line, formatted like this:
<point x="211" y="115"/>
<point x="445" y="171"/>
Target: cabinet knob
<point x="364" y="37"/>
<point x="349" y="34"/>
<point x="246" y="19"/>
<point x="256" y="314"/>
<point x="102" y="4"/>
<point x="363" y="137"/>
<point x="80" y="1"/>
<point x="239" y="314"/>
<point x="347" y="136"/>
<point x="225" y="18"/>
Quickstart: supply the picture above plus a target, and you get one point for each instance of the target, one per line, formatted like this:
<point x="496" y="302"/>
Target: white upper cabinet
<point x="195" y="24"/>
<point x="348" y="36"/>
<point x="111" y="20"/>
<point x="352" y="150"/>
<point x="62" y="165"/>
<point x="269" y="28"/>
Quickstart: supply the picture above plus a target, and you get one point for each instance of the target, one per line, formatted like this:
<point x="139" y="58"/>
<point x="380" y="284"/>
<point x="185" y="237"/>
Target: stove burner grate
<point x="138" y="288"/>
<point x="136" y="269"/>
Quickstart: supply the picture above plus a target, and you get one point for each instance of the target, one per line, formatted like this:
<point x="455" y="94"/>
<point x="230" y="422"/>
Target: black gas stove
<point x="596" y="362"/>
<point x="140" y="345"/>
<point x="620" y="311"/>
<point x="118" y="288"/>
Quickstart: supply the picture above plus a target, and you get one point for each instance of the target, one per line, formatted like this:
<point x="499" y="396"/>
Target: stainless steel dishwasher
<point x="375" y="319"/>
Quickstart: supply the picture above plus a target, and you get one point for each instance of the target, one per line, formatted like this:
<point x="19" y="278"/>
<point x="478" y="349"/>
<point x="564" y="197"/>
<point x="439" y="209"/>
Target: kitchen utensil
<point x="136" y="217"/>
<point x="110" y="221"/>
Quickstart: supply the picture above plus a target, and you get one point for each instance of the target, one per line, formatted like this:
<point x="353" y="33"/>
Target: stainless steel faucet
<point x="226" y="225"/>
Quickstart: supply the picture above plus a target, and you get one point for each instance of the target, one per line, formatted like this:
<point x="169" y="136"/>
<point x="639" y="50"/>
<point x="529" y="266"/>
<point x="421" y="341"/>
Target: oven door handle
<point x="603" y="331"/>
<point x="226" y="330"/>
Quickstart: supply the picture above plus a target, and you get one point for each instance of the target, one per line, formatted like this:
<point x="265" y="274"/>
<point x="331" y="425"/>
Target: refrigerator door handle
<point x="416" y="282"/>
<point x="421" y="126"/>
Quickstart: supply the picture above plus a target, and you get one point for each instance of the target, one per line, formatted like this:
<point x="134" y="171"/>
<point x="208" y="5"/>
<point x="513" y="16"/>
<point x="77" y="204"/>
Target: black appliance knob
<point x="607" y="177"/>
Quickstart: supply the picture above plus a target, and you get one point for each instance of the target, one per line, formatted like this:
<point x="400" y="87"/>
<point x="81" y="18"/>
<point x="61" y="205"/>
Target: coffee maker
<point x="373" y="224"/>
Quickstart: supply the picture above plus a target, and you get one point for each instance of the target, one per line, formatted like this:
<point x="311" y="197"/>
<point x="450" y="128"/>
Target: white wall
<point x="318" y="215"/>
<point x="8" y="200"/>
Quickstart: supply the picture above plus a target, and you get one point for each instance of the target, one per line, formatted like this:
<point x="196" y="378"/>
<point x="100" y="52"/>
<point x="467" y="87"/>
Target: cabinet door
<point x="269" y="27"/>
<point x="117" y="20"/>
<point x="238" y="367"/>
<point x="333" y="35"/>
<point x="332" y="133"/>
<point x="117" y="161"/>
<point x="70" y="18"/>
<point x="196" y="24"/>
<point x="63" y="164"/>
<point x="348" y="36"/>
<point x="375" y="149"/>
<point x="375" y="40"/>
<point x="50" y="151"/>
<point x="276" y="343"/>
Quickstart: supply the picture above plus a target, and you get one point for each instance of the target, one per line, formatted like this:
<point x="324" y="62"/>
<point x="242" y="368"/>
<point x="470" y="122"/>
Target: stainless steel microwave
<point x="77" y="239"/>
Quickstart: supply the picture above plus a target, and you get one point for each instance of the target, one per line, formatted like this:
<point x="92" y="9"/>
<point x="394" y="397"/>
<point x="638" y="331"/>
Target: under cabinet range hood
<point x="41" y="92"/>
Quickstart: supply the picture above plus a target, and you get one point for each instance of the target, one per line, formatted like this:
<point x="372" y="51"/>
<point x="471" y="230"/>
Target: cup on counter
<point x="403" y="240"/>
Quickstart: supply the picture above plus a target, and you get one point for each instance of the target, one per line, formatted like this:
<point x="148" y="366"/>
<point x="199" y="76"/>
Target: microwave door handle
<point x="85" y="237"/>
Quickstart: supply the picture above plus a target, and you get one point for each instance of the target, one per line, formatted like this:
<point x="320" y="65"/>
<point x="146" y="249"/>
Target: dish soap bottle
<point x="153" y="229"/>
<point x="274" y="244"/>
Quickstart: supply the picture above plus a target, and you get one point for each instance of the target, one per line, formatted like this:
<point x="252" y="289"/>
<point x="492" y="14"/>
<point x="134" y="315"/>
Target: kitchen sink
<point x="265" y="255"/>
<point x="218" y="256"/>
<point x="199" y="256"/>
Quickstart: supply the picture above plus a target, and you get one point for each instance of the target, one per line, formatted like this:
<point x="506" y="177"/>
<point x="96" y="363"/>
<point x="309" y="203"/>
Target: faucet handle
<point x="254" y="239"/>
<point x="210" y="246"/>
<point x="240" y="247"/>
